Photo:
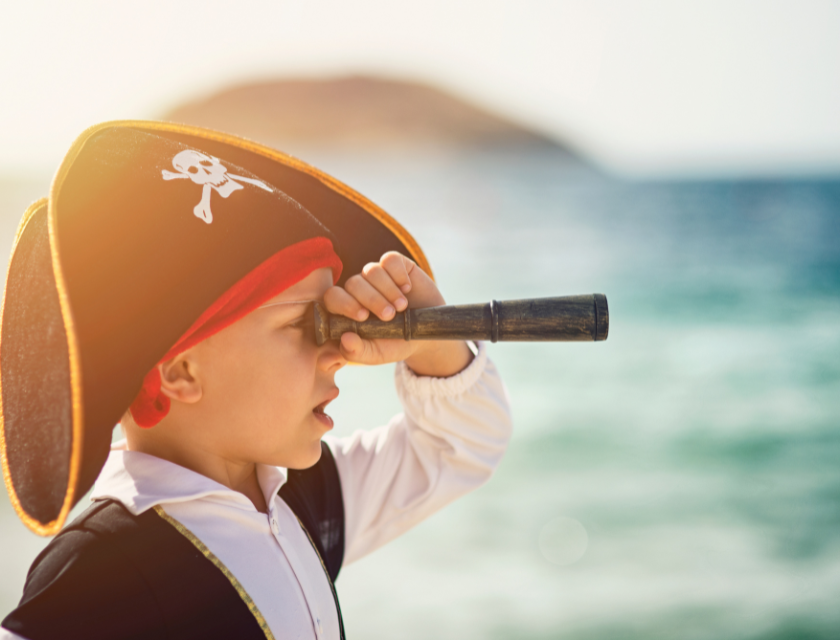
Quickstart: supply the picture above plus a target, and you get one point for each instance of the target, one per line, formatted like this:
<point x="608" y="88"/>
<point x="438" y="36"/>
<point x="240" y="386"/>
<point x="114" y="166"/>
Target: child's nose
<point x="330" y="357"/>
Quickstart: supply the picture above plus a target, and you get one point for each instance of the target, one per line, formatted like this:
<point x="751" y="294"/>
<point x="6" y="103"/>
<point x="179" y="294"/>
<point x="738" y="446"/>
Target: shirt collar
<point x="141" y="481"/>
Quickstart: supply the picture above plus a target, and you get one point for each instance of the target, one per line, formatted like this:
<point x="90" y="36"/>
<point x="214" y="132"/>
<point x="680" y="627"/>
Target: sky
<point x="646" y="87"/>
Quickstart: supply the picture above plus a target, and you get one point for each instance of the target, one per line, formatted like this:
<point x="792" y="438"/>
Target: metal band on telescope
<point x="595" y="326"/>
<point x="407" y="324"/>
<point x="494" y="321"/>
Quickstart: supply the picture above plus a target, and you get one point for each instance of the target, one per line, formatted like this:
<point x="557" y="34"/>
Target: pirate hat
<point x="152" y="233"/>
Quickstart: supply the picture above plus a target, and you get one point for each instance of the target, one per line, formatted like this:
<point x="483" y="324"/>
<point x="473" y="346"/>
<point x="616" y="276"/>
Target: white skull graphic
<point x="203" y="169"/>
<point x="211" y="175"/>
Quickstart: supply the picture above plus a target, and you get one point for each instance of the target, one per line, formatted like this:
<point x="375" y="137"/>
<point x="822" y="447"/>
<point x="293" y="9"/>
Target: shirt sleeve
<point x="449" y="440"/>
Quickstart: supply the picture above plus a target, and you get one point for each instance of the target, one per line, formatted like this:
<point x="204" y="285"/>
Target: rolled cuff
<point x="426" y="387"/>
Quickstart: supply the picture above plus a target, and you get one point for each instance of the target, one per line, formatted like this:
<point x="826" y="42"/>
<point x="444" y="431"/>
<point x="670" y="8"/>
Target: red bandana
<point x="282" y="270"/>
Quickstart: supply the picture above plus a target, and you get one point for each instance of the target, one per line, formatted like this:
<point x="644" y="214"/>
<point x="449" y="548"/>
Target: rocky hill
<point x="354" y="112"/>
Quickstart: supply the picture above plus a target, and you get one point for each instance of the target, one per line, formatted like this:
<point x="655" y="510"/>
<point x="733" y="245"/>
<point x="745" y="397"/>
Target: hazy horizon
<point x="646" y="87"/>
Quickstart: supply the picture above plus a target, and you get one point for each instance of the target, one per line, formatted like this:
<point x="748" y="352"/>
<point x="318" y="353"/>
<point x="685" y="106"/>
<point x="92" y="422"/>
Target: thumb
<point x="360" y="351"/>
<point x="355" y="349"/>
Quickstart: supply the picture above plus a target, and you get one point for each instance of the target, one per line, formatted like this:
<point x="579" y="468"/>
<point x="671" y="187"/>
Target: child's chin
<point x="305" y="459"/>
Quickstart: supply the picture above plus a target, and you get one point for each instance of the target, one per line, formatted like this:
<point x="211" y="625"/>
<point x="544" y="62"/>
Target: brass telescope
<point x="561" y="319"/>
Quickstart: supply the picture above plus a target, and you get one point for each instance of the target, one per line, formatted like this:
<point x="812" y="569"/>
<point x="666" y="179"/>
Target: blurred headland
<point x="360" y="113"/>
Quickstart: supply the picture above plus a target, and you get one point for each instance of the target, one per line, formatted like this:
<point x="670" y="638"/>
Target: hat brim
<point x="41" y="413"/>
<point x="51" y="451"/>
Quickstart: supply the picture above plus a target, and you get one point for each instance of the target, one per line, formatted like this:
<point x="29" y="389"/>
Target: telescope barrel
<point x="561" y="319"/>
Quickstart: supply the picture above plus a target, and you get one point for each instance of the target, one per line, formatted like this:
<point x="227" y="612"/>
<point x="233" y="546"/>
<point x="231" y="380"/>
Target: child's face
<point x="265" y="383"/>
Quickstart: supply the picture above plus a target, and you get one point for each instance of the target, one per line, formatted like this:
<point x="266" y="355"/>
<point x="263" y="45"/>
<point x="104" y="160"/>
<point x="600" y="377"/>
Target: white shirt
<point x="449" y="440"/>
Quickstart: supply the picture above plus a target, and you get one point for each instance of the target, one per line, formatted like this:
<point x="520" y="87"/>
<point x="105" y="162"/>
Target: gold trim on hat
<point x="72" y="343"/>
<point x="198" y="544"/>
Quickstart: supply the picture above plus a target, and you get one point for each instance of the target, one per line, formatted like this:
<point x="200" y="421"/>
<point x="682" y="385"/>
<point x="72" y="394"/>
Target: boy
<point x="223" y="514"/>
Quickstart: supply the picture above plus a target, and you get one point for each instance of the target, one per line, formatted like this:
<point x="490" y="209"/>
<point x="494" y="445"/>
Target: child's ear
<point x="179" y="379"/>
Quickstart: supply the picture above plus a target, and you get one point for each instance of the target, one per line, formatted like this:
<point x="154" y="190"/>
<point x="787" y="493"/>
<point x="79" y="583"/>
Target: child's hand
<point x="394" y="284"/>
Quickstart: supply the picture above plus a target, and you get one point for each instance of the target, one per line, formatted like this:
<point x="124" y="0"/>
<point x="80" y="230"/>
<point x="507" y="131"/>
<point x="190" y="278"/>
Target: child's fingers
<point x="337" y="300"/>
<point x="398" y="267"/>
<point x="358" y="287"/>
<point x="376" y="275"/>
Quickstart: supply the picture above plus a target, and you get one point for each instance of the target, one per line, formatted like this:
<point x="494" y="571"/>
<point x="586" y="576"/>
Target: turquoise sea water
<point x="679" y="480"/>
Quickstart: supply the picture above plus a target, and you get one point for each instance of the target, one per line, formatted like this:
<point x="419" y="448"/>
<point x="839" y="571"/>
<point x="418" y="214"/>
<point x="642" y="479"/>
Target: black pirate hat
<point x="91" y="304"/>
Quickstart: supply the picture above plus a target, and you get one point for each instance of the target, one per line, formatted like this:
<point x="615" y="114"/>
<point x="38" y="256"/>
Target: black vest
<point x="113" y="575"/>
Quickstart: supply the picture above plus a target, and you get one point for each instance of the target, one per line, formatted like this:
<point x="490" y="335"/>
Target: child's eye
<point x="303" y="322"/>
<point x="304" y="327"/>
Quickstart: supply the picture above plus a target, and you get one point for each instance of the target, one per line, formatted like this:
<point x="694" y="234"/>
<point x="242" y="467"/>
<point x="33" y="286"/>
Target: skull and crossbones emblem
<point x="211" y="175"/>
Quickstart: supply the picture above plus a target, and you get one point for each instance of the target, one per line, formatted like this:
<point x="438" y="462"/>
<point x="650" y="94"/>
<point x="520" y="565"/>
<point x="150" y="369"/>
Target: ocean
<point x="679" y="480"/>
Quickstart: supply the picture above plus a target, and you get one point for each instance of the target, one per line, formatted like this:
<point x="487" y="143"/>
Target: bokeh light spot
<point x="563" y="541"/>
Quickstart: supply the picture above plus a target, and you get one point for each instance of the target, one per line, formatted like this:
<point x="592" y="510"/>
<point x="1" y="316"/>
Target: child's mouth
<point x="321" y="416"/>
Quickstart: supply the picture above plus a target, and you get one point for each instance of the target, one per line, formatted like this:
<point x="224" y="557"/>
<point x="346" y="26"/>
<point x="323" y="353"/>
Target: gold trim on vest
<point x="198" y="544"/>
